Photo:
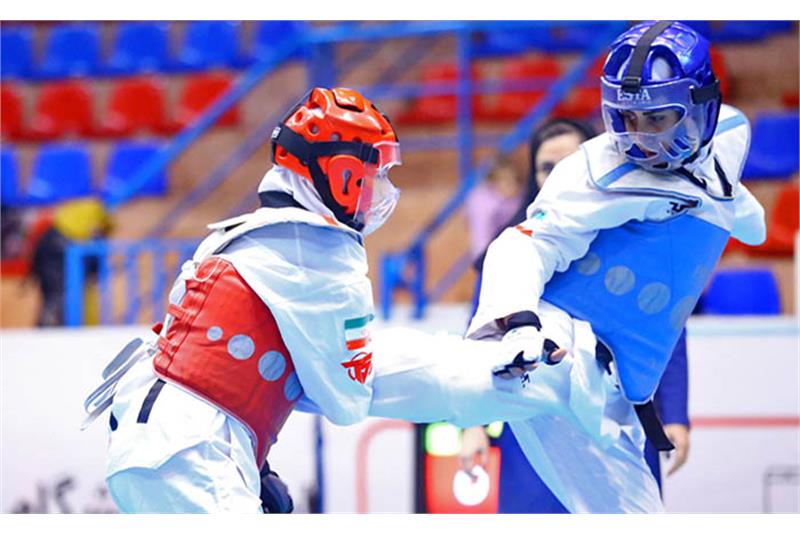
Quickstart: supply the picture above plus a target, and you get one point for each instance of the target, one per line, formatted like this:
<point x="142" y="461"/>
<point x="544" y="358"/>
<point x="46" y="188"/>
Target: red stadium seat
<point x="581" y="102"/>
<point x="63" y="109"/>
<point x="790" y="99"/>
<point x="720" y="69"/>
<point x="199" y="94"/>
<point x="11" y="123"/>
<point x="513" y="105"/>
<point x="437" y="109"/>
<point x="784" y="223"/>
<point x="135" y="105"/>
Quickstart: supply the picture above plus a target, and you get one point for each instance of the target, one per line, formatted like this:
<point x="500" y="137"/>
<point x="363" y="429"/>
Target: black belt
<point x="646" y="412"/>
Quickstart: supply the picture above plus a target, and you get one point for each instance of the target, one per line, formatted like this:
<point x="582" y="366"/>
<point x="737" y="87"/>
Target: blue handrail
<point x="253" y="141"/>
<point x="244" y="84"/>
<point x="406" y="269"/>
<point x="318" y="38"/>
<point x="130" y="253"/>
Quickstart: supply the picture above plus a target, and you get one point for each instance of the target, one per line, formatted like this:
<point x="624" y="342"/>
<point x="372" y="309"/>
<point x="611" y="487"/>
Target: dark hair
<point x="546" y="131"/>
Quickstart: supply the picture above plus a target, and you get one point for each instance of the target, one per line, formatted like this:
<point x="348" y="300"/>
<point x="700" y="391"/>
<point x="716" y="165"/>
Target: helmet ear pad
<point x="346" y="175"/>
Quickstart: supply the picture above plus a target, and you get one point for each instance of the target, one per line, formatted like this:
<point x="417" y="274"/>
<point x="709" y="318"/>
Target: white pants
<point x="187" y="457"/>
<point x="200" y="479"/>
<point x="577" y="430"/>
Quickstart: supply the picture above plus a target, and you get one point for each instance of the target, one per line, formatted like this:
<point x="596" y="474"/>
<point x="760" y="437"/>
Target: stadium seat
<point x="721" y="70"/>
<point x="63" y="108"/>
<point x="783" y="224"/>
<point x="569" y="37"/>
<point x="199" y="94"/>
<point x="210" y="44"/>
<point x="438" y="109"/>
<point x="773" y="148"/>
<point x="140" y="47"/>
<point x="503" y="43"/>
<point x="270" y="34"/>
<point x="722" y="31"/>
<point x="60" y="171"/>
<point x="512" y="105"/>
<point x="16" y="52"/>
<point x="9" y="177"/>
<point x="583" y="100"/>
<point x="791" y="99"/>
<point x="11" y="123"/>
<point x="136" y="105"/>
<point x="72" y="50"/>
<point x="125" y="160"/>
<point x="550" y="37"/>
<point x="742" y="292"/>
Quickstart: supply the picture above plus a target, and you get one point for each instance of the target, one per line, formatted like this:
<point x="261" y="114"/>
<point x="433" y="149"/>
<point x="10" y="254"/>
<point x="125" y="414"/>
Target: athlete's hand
<point x="474" y="443"/>
<point x="525" y="348"/>
<point x="678" y="434"/>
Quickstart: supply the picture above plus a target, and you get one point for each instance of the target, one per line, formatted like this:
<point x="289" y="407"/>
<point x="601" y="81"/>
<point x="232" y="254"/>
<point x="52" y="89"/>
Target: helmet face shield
<point x="343" y="144"/>
<point x="379" y="196"/>
<point x="656" y="125"/>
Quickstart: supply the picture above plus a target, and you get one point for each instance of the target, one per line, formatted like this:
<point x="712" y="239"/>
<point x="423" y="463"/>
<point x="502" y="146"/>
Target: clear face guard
<point x="655" y="147"/>
<point x="379" y="196"/>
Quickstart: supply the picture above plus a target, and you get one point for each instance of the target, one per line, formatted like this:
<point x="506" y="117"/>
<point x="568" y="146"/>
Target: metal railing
<point x="401" y="270"/>
<point x="141" y="271"/>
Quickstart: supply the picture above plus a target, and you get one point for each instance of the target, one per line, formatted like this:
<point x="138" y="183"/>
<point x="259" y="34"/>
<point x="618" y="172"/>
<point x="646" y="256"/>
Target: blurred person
<point x="274" y="311"/>
<point x="491" y="205"/>
<point x="583" y="303"/>
<point x="521" y="490"/>
<point x="74" y="221"/>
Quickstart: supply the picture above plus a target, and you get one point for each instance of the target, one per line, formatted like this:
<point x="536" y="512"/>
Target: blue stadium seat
<point x="773" y="149"/>
<point x="61" y="171"/>
<point x="16" y="56"/>
<point x="9" y="177"/>
<point x="746" y="30"/>
<point x="552" y="37"/>
<point x="742" y="292"/>
<point x="125" y="160"/>
<point x="503" y="43"/>
<point x="210" y="44"/>
<point x="140" y="47"/>
<point x="72" y="50"/>
<point x="271" y="34"/>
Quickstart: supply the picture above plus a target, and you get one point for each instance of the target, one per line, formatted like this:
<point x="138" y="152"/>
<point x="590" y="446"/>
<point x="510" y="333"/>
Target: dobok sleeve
<point x="562" y="222"/>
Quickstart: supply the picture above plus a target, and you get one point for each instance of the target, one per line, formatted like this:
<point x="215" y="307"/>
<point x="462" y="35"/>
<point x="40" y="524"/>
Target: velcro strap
<point x="525" y="318"/>
<point x="632" y="82"/>
<point x="177" y="312"/>
<point x="706" y="93"/>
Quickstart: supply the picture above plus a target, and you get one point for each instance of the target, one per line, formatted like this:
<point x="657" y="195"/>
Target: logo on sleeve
<point x="359" y="368"/>
<point x="357" y="339"/>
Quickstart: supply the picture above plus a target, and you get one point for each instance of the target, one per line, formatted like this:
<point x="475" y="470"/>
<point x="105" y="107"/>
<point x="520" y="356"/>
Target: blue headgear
<point x="661" y="66"/>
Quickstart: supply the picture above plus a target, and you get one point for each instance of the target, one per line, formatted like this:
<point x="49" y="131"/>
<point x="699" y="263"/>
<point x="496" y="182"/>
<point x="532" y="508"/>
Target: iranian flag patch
<point x="356" y="333"/>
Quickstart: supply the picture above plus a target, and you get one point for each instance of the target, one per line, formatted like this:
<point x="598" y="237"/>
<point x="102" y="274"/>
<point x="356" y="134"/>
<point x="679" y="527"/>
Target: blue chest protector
<point x="639" y="282"/>
<point x="637" y="285"/>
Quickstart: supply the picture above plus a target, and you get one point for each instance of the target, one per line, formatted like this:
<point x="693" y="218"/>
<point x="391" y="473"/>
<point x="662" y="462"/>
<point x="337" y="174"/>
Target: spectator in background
<point x="521" y="489"/>
<point x="491" y="204"/>
<point x="74" y="221"/>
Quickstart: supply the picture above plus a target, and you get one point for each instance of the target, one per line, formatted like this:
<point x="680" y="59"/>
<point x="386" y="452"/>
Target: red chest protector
<point x="224" y="345"/>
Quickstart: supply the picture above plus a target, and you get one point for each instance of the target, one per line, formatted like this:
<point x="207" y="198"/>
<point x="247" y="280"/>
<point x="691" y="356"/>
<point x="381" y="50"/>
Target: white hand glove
<point x="522" y="347"/>
<point x="525" y="348"/>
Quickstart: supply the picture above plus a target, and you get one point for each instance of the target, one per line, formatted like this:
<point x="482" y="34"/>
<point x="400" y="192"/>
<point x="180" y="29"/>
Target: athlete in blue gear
<point x="597" y="283"/>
